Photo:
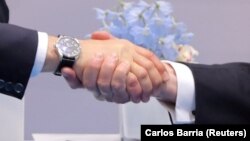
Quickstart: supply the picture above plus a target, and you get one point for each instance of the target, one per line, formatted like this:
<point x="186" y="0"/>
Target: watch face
<point x="68" y="46"/>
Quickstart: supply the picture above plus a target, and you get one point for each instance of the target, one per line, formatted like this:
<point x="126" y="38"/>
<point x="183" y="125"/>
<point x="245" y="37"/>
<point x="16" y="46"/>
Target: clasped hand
<point x="116" y="70"/>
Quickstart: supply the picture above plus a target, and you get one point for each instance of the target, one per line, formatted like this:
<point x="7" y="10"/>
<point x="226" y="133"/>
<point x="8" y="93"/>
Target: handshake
<point x="116" y="70"/>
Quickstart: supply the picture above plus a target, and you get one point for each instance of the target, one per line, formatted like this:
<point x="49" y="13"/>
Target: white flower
<point x="186" y="53"/>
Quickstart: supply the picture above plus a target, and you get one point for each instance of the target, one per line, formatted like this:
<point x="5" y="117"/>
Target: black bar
<point x="192" y="131"/>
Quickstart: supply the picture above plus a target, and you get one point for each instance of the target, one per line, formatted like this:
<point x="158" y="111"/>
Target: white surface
<point x="76" y="137"/>
<point x="134" y="115"/>
<point x="11" y="119"/>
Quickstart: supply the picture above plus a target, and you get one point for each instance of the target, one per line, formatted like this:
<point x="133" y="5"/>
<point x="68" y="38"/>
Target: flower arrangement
<point x="151" y="26"/>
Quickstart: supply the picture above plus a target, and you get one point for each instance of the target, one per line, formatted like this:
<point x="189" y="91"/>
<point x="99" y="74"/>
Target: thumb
<point x="70" y="76"/>
<point x="101" y="35"/>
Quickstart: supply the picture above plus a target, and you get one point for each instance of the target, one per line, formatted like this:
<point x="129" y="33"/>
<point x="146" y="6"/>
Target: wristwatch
<point x="68" y="49"/>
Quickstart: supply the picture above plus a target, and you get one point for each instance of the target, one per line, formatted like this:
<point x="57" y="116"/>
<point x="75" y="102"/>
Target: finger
<point x="91" y="72"/>
<point x="71" y="78"/>
<point x="98" y="96"/>
<point x="105" y="76"/>
<point x="118" y="83"/>
<point x="133" y="88"/>
<point x="144" y="80"/>
<point x="156" y="61"/>
<point x="152" y="71"/>
<point x="101" y="35"/>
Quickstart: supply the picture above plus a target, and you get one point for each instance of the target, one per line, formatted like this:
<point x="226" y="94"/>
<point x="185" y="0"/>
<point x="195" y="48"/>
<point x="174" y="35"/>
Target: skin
<point x="140" y="69"/>
<point x="119" y="85"/>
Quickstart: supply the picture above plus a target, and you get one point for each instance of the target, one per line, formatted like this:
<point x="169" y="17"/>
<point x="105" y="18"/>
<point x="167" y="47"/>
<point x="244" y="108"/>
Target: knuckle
<point x="161" y="68"/>
<point x="148" y="65"/>
<point x="110" y="65"/>
<point x="132" y="82"/>
<point x="87" y="84"/>
<point x="95" y="66"/>
<point x="117" y="86"/>
<point x="143" y="74"/>
<point x="120" y="70"/>
<point x="157" y="82"/>
<point x="149" y="54"/>
<point x="102" y="83"/>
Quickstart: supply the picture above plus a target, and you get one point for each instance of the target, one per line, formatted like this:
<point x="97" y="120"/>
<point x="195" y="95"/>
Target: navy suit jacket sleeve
<point x="17" y="54"/>
<point x="222" y="93"/>
<point x="4" y="12"/>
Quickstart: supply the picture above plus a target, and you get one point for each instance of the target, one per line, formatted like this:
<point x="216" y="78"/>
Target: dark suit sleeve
<point x="4" y="12"/>
<point x="17" y="54"/>
<point x="222" y="93"/>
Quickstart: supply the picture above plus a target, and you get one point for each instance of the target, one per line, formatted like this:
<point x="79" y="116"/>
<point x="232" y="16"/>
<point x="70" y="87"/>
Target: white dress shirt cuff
<point x="40" y="53"/>
<point x="185" y="102"/>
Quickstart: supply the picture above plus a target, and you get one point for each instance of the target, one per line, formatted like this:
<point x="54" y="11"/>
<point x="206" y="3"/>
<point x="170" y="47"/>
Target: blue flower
<point x="101" y="14"/>
<point x="142" y="36"/>
<point x="167" y="47"/>
<point x="163" y="8"/>
<point x="161" y="27"/>
<point x="182" y="36"/>
<point x="135" y="16"/>
<point x="148" y="25"/>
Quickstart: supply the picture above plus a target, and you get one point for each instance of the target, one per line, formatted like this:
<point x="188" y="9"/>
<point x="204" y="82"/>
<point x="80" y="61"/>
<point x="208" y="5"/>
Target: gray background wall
<point x="222" y="35"/>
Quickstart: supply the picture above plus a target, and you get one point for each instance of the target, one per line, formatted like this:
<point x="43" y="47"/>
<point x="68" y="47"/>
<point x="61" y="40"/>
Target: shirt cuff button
<point x="8" y="86"/>
<point x="19" y="88"/>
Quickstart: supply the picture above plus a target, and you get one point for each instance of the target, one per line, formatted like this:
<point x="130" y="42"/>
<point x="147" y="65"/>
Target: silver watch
<point x="68" y="49"/>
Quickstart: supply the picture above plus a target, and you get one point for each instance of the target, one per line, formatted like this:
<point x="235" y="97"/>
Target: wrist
<point x="81" y="62"/>
<point x="88" y="49"/>
<point x="168" y="90"/>
<point x="52" y="58"/>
